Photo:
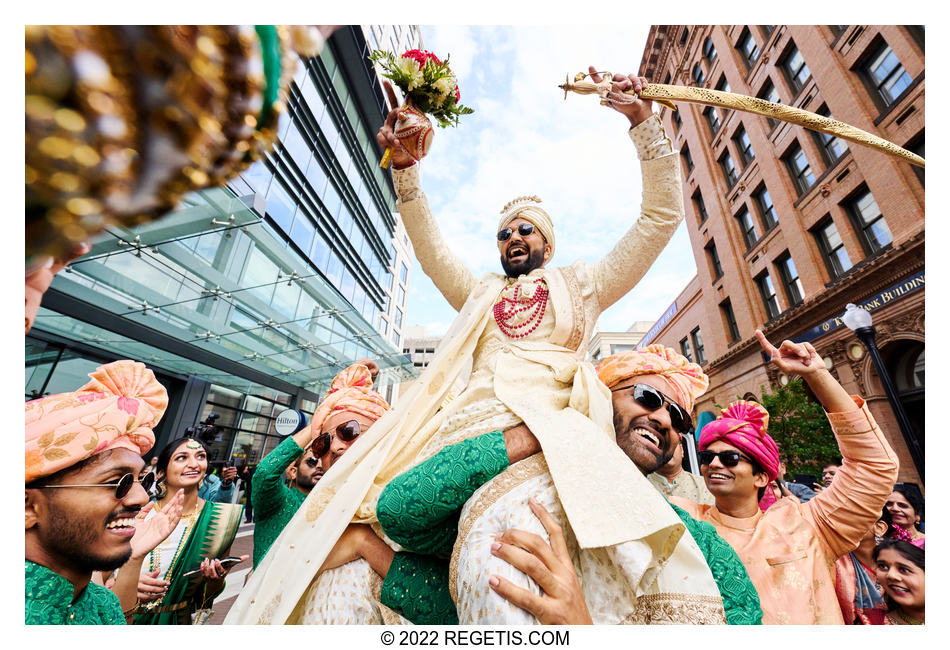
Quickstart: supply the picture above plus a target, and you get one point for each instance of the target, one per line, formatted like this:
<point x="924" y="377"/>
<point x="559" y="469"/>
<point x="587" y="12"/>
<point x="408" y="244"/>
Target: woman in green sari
<point x="181" y="576"/>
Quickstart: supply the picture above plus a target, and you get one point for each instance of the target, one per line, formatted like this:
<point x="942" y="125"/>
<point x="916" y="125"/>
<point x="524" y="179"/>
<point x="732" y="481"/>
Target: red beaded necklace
<point x="531" y="309"/>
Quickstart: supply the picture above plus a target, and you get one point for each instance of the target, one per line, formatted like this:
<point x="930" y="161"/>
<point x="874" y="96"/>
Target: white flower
<point x="444" y="86"/>
<point x="412" y="69"/>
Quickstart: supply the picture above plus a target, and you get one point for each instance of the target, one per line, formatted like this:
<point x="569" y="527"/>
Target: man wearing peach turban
<point x="83" y="457"/>
<point x="790" y="550"/>
<point x="515" y="354"/>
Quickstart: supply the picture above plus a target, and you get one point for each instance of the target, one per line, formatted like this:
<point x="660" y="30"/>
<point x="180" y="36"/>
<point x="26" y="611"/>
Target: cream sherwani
<point x="618" y="524"/>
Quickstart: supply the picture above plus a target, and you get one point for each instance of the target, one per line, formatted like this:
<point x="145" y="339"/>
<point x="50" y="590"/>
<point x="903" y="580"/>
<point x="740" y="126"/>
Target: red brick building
<point x="787" y="225"/>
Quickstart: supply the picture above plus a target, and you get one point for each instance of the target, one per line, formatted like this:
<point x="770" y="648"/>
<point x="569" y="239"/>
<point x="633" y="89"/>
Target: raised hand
<point x="371" y="365"/>
<point x="39" y="279"/>
<point x="562" y="602"/>
<point x="385" y="136"/>
<point x="792" y="358"/>
<point x="151" y="533"/>
<point x="635" y="109"/>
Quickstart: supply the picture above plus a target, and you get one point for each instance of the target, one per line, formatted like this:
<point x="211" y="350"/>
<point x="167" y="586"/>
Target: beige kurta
<point x="686" y="485"/>
<point x="540" y="380"/>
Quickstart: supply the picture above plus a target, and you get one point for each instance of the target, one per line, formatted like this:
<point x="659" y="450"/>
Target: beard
<point x="534" y="260"/>
<point x="646" y="460"/>
<point x="72" y="539"/>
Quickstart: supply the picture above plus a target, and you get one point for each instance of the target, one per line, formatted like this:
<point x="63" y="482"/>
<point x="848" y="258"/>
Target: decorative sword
<point x="665" y="94"/>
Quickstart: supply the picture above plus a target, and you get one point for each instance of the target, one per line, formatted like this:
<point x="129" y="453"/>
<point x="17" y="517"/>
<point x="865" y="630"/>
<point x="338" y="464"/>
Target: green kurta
<point x="49" y="601"/>
<point x="274" y="503"/>
<point x="420" y="508"/>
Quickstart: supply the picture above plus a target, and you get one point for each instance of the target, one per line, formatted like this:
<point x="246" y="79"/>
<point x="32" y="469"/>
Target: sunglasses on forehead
<point x="347" y="432"/>
<point x="122" y="487"/>
<point x="729" y="458"/>
<point x="651" y="399"/>
<point x="524" y="230"/>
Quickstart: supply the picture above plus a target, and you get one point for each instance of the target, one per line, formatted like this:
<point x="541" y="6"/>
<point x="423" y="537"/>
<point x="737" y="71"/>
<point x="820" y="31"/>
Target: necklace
<point x="907" y="619"/>
<point x="519" y="315"/>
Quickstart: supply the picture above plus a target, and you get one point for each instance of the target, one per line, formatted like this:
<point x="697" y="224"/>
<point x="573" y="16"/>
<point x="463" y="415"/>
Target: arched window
<point x="709" y="50"/>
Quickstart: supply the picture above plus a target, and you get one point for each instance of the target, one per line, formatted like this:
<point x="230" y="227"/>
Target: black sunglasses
<point x="312" y="462"/>
<point x="728" y="458"/>
<point x="123" y="486"/>
<point x="524" y="230"/>
<point x="347" y="432"/>
<point x="650" y="398"/>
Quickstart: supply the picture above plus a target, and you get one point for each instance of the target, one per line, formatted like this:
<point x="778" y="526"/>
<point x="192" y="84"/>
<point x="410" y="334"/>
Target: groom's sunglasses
<point x="524" y="230"/>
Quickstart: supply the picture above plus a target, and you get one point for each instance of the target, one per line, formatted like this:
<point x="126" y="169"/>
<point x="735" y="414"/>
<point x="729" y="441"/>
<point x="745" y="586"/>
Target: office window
<point x="728" y="168"/>
<point x="767" y="30"/>
<point x="748" y="48"/>
<point x="769" y="94"/>
<point x="677" y="120"/>
<point x="697" y="337"/>
<point x="714" y="264"/>
<point x="886" y="74"/>
<point x="871" y="224"/>
<point x="747" y="226"/>
<point x="729" y="320"/>
<point x="700" y="207"/>
<point x="723" y="85"/>
<point x="684" y="36"/>
<point x="799" y="168"/>
<point x="688" y="158"/>
<point x="685" y="349"/>
<point x="711" y="113"/>
<point x="832" y="147"/>
<point x="769" y="299"/>
<point x="797" y="73"/>
<point x="403" y="272"/>
<point x="709" y="50"/>
<point x="698" y="76"/>
<point x="790" y="280"/>
<point x="766" y="208"/>
<point x="743" y="146"/>
<point x="832" y="248"/>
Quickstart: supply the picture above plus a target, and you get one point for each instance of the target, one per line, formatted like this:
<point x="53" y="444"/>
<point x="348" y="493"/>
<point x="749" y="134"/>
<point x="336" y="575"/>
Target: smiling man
<point x="790" y="550"/>
<point x="83" y="457"/>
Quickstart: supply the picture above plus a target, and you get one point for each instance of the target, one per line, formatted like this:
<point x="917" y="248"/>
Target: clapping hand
<point x="151" y="533"/>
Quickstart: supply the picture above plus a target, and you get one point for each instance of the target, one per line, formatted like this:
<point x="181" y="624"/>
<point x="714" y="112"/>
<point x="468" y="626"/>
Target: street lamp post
<point x="859" y="321"/>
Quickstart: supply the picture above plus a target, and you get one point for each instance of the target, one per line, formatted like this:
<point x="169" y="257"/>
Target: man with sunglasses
<point x="514" y="354"/>
<point x="790" y="549"/>
<point x="311" y="456"/>
<point x="83" y="498"/>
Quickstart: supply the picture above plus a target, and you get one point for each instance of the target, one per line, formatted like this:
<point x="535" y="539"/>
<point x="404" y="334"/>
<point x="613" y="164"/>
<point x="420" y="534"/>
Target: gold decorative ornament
<point x="666" y="94"/>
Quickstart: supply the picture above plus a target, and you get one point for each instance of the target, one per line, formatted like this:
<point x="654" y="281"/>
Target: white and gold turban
<point x="528" y="208"/>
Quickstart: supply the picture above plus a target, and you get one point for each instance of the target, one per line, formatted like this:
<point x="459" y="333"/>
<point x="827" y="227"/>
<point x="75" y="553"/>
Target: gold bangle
<point x="129" y="612"/>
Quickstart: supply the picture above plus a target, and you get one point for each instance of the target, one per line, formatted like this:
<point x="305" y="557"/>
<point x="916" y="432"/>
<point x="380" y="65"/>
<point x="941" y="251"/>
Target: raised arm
<point x="445" y="269"/>
<point x="661" y="208"/>
<point x="843" y="513"/>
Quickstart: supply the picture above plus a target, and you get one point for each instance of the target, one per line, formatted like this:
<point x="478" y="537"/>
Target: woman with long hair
<point x="904" y="512"/>
<point x="899" y="566"/>
<point x="181" y="576"/>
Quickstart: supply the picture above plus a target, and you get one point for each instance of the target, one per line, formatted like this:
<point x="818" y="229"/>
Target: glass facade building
<point x="248" y="299"/>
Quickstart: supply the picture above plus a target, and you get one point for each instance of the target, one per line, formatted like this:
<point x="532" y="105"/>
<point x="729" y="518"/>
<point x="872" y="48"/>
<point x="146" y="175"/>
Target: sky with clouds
<point x="524" y="138"/>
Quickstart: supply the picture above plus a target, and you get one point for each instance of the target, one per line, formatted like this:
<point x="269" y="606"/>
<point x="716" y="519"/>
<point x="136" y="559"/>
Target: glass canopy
<point x="215" y="276"/>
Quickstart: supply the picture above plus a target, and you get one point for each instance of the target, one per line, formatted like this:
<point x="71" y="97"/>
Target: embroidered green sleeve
<point x="419" y="508"/>
<point x="739" y="597"/>
<point x="418" y="587"/>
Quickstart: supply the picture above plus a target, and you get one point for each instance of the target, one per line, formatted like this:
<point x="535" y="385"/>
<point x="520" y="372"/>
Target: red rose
<point x="458" y="95"/>
<point x="421" y="56"/>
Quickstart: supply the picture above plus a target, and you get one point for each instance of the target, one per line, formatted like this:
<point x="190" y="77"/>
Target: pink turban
<point x="743" y="425"/>
<point x="118" y="408"/>
<point x="686" y="379"/>
<point x="351" y="390"/>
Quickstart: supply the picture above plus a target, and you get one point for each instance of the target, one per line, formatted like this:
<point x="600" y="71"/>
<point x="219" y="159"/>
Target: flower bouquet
<point x="430" y="88"/>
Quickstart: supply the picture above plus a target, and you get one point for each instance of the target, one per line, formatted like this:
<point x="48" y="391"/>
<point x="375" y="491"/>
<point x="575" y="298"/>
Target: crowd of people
<point x="530" y="488"/>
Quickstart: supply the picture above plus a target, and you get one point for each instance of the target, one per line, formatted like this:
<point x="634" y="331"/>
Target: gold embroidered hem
<point x="677" y="609"/>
